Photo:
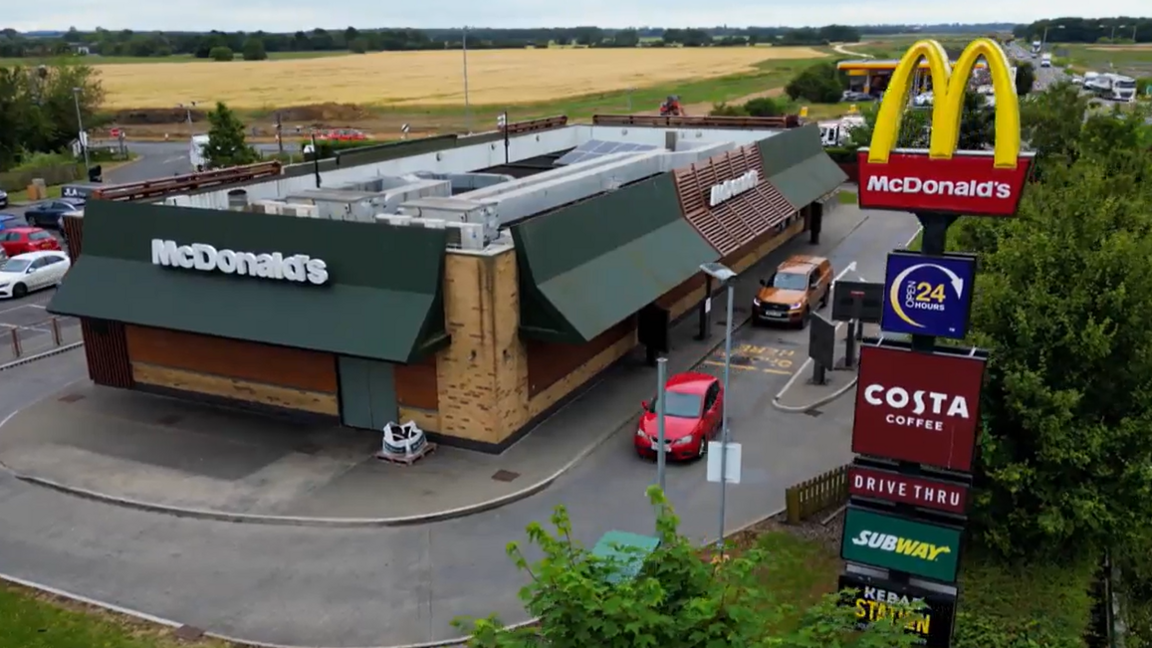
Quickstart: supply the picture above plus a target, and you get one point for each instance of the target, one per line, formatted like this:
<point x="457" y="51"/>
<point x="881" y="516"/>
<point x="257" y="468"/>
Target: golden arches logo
<point x="948" y="87"/>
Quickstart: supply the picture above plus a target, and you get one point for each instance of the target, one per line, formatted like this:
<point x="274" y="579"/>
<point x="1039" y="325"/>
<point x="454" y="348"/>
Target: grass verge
<point x="32" y="619"/>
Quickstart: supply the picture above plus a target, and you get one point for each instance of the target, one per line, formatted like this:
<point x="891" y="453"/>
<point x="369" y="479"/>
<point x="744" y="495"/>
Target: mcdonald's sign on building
<point x="942" y="179"/>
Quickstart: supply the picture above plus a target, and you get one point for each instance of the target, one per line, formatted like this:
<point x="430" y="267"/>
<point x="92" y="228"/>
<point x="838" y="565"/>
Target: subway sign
<point x="918" y="548"/>
<point x="928" y="295"/>
<point x="875" y="601"/>
<point x="918" y="407"/>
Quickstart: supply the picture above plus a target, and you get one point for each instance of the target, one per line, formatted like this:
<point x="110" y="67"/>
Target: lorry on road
<point x="1113" y="87"/>
<point x="1036" y="45"/>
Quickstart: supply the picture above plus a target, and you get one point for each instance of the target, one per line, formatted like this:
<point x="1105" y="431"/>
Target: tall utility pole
<point x="80" y="128"/>
<point x="467" y="106"/>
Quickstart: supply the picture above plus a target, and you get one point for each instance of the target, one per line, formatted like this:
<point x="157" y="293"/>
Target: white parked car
<point x="32" y="271"/>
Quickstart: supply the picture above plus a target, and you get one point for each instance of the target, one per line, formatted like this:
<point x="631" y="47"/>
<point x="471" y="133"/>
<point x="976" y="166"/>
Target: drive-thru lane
<point x="386" y="586"/>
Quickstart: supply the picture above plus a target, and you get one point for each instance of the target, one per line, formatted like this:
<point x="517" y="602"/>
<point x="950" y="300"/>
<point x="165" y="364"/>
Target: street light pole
<point x="727" y="278"/>
<point x="661" y="406"/>
<point x="467" y="105"/>
<point x="80" y="128"/>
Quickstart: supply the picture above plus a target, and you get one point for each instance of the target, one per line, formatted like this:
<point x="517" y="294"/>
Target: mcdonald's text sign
<point x="942" y="179"/>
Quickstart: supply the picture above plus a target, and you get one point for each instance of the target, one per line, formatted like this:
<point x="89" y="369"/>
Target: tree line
<point x="256" y="45"/>
<point x="1124" y="29"/>
<point x="38" y="108"/>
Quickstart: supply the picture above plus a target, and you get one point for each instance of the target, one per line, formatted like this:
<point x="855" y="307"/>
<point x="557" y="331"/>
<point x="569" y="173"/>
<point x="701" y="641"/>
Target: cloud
<point x="291" y="15"/>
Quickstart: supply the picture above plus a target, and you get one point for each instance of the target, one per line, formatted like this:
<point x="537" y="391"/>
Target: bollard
<point x="56" y="332"/>
<point x="15" y="342"/>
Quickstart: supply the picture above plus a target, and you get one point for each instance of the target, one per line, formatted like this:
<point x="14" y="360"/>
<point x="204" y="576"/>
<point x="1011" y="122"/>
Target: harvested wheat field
<point x="426" y="78"/>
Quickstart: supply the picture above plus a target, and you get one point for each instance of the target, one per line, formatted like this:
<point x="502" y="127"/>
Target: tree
<point x="1063" y="301"/>
<point x="358" y="45"/>
<point x="764" y="107"/>
<point x="1025" y="78"/>
<point x="677" y="600"/>
<point x="818" y="83"/>
<point x="254" y="49"/>
<point x="221" y="53"/>
<point x="226" y="143"/>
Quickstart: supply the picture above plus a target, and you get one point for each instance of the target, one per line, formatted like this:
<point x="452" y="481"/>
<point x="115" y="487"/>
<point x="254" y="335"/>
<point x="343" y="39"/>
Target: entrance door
<point x="367" y="393"/>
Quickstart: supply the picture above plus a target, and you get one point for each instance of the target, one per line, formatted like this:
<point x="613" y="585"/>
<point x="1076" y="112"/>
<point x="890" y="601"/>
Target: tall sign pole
<point x="916" y="423"/>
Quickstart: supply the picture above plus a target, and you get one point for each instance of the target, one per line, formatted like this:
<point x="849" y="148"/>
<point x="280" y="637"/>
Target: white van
<point x="196" y="153"/>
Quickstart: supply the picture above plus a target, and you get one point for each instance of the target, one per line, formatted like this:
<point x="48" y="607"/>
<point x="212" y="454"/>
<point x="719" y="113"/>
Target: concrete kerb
<point x="303" y="521"/>
<point x="248" y="643"/>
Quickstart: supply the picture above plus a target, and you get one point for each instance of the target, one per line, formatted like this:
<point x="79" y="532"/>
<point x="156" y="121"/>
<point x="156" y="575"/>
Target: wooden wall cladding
<point x="416" y="384"/>
<point x="106" y="349"/>
<point x="74" y="235"/>
<point x="247" y="361"/>
<point x="548" y="362"/>
<point x="235" y="390"/>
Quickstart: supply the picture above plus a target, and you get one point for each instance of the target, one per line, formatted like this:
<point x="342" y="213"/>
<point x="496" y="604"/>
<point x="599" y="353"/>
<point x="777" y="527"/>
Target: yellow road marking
<point x="745" y="368"/>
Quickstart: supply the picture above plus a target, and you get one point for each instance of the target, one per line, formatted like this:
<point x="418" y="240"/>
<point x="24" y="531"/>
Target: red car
<point x="343" y="135"/>
<point x="693" y="406"/>
<point x="19" y="240"/>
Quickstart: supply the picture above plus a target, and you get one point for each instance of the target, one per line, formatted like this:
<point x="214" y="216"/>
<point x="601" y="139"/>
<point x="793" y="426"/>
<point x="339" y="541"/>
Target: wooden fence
<point x="817" y="494"/>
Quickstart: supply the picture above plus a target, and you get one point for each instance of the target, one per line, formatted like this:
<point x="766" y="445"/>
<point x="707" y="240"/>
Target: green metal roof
<point x="383" y="299"/>
<point x="796" y="164"/>
<point x="629" y="549"/>
<point x="586" y="267"/>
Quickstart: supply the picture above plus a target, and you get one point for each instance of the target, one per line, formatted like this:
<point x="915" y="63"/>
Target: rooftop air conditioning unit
<point x="431" y="223"/>
<point x="466" y="236"/>
<point x="268" y="207"/>
<point x="303" y="211"/>
<point x="394" y="219"/>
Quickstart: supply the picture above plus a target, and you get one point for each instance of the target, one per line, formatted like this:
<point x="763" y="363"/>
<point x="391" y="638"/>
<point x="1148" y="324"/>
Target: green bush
<point x="1142" y="85"/>
<point x="819" y="83"/>
<point x="727" y="110"/>
<point x="764" y="107"/>
<point x="842" y="154"/>
<point x="1034" y="605"/>
<point x="221" y="54"/>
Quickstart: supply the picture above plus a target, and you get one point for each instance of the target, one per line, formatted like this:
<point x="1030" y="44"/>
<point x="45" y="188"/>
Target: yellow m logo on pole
<point x="948" y="86"/>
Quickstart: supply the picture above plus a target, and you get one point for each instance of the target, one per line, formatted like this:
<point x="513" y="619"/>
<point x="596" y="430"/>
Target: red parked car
<point x="343" y="135"/>
<point x="693" y="406"/>
<point x="19" y="240"/>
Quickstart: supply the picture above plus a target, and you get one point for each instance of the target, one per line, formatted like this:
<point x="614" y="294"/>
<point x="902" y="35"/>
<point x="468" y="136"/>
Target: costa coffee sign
<point x="904" y="489"/>
<point x="917" y="407"/>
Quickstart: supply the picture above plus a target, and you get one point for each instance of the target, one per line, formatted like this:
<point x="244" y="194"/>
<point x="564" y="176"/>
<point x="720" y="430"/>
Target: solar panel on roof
<point x="593" y="149"/>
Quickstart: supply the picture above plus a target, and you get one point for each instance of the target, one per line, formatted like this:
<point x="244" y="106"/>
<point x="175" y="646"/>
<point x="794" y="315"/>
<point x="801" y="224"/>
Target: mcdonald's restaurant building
<point x="367" y="321"/>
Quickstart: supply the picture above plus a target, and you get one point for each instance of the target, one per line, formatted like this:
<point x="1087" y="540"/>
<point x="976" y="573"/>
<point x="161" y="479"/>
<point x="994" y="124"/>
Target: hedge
<point x="1024" y="605"/>
<point x="329" y="148"/>
<point x="52" y="175"/>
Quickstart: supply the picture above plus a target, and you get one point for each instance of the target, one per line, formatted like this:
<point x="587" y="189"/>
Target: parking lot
<point x="27" y="328"/>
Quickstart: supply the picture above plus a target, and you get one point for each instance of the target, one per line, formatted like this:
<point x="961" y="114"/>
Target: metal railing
<point x="788" y="121"/>
<point x="22" y="341"/>
<point x="160" y="187"/>
<point x="808" y="498"/>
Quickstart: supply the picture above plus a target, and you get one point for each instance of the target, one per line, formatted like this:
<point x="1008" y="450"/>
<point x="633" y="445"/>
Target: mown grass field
<point x="1134" y="60"/>
<point x="434" y="78"/>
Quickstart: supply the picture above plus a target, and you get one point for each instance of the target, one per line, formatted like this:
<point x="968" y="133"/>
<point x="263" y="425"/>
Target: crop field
<point x="399" y="79"/>
<point x="1135" y="60"/>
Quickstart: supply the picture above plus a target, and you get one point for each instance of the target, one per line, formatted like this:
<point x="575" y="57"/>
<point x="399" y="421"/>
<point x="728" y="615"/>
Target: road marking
<point x="851" y="267"/>
<point x="913" y="237"/>
<point x="40" y="306"/>
<point x="804" y="367"/>
<point x="16" y="308"/>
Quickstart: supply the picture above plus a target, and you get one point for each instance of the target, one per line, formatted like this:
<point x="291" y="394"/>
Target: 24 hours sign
<point x="913" y="547"/>
<point x="928" y="295"/>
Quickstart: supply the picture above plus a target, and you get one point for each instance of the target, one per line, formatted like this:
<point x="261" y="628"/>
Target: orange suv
<point x="789" y="295"/>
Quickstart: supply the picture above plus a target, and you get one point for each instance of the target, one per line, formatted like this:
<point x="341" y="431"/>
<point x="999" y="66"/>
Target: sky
<point x="291" y="15"/>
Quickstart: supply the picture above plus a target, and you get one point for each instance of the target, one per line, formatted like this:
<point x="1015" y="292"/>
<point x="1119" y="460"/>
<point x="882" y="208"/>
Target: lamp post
<point x="80" y="127"/>
<point x="661" y="406"/>
<point x="1114" y="28"/>
<point x="467" y="106"/>
<point x="1044" y="39"/>
<point x="726" y="277"/>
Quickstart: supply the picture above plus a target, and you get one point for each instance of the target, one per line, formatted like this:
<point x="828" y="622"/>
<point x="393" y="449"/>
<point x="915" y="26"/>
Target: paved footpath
<point x="389" y="586"/>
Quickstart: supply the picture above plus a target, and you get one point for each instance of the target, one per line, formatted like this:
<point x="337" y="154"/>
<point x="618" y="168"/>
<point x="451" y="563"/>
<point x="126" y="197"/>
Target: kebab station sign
<point x="917" y="420"/>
